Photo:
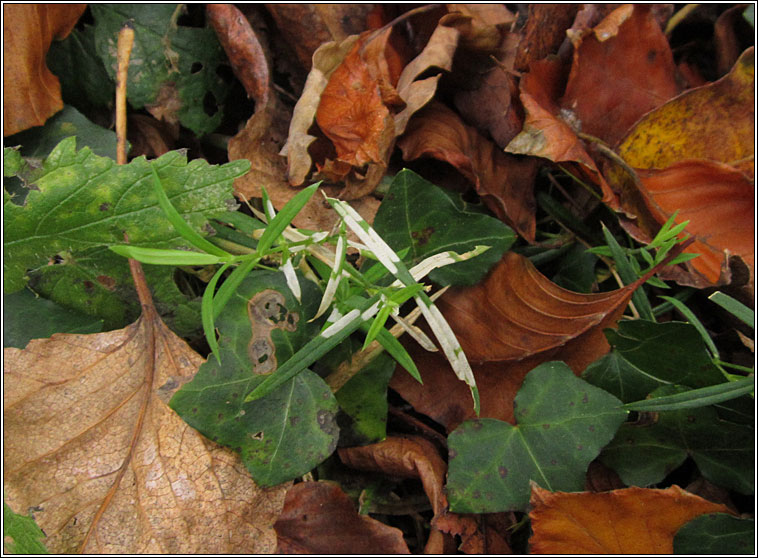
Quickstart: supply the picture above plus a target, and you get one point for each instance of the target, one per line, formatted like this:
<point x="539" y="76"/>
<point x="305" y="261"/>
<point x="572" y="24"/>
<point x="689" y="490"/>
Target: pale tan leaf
<point x="106" y="466"/>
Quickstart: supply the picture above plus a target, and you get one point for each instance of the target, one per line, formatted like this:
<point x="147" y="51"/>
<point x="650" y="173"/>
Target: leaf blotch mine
<point x="502" y="471"/>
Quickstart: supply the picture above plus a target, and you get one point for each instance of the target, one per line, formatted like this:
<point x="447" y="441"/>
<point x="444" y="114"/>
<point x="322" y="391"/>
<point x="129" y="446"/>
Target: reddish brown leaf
<point x="629" y="521"/>
<point x="511" y="322"/>
<point x="719" y="203"/>
<point x="621" y="71"/>
<point x="318" y="518"/>
<point x="545" y="31"/>
<point x="242" y="48"/>
<point x="32" y="93"/>
<point x="504" y="182"/>
<point x="307" y="26"/>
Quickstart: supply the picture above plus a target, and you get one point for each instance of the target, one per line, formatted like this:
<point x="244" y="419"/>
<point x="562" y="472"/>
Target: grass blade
<point x="282" y="219"/>
<point x="158" y="256"/>
<point x="734" y="307"/>
<point x="693" y="319"/>
<point x="207" y="314"/>
<point x="700" y="397"/>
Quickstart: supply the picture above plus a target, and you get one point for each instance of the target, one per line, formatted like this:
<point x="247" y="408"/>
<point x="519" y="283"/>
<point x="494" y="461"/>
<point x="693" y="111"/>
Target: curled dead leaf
<point x="92" y="446"/>
<point x="508" y="324"/>
<point x="628" y="521"/>
<point x="319" y="518"/>
<point x="33" y="93"/>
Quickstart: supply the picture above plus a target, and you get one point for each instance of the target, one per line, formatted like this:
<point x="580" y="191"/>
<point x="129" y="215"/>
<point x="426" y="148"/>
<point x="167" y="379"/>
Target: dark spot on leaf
<point x="294" y="420"/>
<point x="579" y="447"/>
<point x="238" y="449"/>
<point x="585" y="398"/>
<point x="422" y="237"/>
<point x="553" y="462"/>
<point x="502" y="471"/>
<point x="592" y="428"/>
<point x="107" y="282"/>
<point x="477" y="425"/>
<point x="326" y="395"/>
<point x="220" y="416"/>
<point x="452" y="454"/>
<point x="690" y="418"/>
<point x="651" y="56"/>
<point x="489" y="496"/>
<point x="194" y="409"/>
<point x="235" y="395"/>
<point x="89" y="287"/>
<point x="305" y="517"/>
<point x="545" y="426"/>
<point x="571" y="404"/>
<point x="630" y="441"/>
<point x="476" y="495"/>
<point x="105" y="206"/>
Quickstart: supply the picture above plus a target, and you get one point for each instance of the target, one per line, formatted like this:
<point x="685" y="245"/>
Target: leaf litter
<point x="542" y="90"/>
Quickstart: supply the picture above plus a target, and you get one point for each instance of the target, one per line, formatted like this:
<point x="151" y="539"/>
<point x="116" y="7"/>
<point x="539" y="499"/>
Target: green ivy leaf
<point x="647" y="355"/>
<point x="723" y="451"/>
<point x="26" y="535"/>
<point x="78" y="204"/>
<point x="563" y="422"/>
<point x="171" y="64"/>
<point x="716" y="533"/>
<point x="364" y="402"/>
<point x="418" y="215"/>
<point x="27" y="317"/>
<point x="292" y="429"/>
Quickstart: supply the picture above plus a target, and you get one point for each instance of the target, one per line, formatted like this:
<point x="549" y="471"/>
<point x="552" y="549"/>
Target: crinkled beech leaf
<point x="293" y="429"/>
<point x="563" y="422"/>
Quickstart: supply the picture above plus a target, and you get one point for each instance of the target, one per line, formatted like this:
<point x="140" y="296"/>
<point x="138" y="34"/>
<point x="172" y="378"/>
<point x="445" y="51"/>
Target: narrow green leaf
<point x="277" y="225"/>
<point x="696" y="397"/>
<point x="681" y="258"/>
<point x="160" y="256"/>
<point x="178" y="221"/>
<point x="229" y="286"/>
<point x="376" y="325"/>
<point x="628" y="275"/>
<point x="695" y="321"/>
<point x="734" y="307"/>
<point x="207" y="311"/>
<point x="398" y="352"/>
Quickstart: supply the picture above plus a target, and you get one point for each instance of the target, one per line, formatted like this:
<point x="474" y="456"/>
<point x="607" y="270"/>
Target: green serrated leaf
<point x="647" y="355"/>
<point x="24" y="533"/>
<point x="723" y="451"/>
<point x="78" y="204"/>
<point x="562" y="423"/>
<point x="716" y="533"/>
<point x="292" y="429"/>
<point x="418" y="215"/>
<point x="172" y="66"/>
<point x="27" y="317"/>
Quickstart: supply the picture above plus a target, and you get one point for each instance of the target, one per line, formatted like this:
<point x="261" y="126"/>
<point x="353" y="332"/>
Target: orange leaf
<point x="318" y="518"/>
<point x="32" y="94"/>
<point x="504" y="182"/>
<point x="513" y="321"/>
<point x="621" y="71"/>
<point x="628" y="521"/>
<point x="718" y="201"/>
<point x="351" y="112"/>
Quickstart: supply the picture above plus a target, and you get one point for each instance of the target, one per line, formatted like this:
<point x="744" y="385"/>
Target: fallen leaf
<point x="620" y="71"/>
<point x="508" y="324"/>
<point x="307" y="27"/>
<point x="725" y="38"/>
<point x="713" y="122"/>
<point x="481" y="25"/>
<point x="150" y="137"/>
<point x="319" y="518"/>
<point x="545" y="31"/>
<point x="504" y="182"/>
<point x="718" y="201"/>
<point x="417" y="457"/>
<point x="91" y="445"/>
<point x="28" y="31"/>
<point x="243" y="49"/>
<point x="628" y="521"/>
<point x="326" y="59"/>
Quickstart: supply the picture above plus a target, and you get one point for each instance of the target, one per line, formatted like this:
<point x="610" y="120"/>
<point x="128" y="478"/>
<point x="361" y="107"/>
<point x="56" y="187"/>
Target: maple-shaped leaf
<point x="28" y="31"/>
<point x="78" y="204"/>
<point x="92" y="447"/>
<point x="319" y="518"/>
<point x="627" y="521"/>
<point x="507" y="325"/>
<point x="562" y="424"/>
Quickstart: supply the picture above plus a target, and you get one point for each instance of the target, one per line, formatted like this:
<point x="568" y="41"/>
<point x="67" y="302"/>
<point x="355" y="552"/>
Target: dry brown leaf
<point x="108" y="468"/>
<point x="309" y="26"/>
<point x="150" y="137"/>
<point x="318" y="518"/>
<point x="621" y="70"/>
<point x="481" y="25"/>
<point x="32" y="93"/>
<point x="544" y="32"/>
<point x="504" y="182"/>
<point x="508" y="324"/>
<point x="417" y="457"/>
<point x="628" y="521"/>
<point x="243" y="49"/>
